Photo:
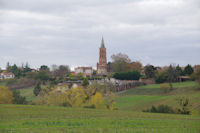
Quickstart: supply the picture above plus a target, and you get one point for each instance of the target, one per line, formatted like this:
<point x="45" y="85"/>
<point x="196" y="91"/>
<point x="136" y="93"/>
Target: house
<point x="7" y="75"/>
<point x="86" y="71"/>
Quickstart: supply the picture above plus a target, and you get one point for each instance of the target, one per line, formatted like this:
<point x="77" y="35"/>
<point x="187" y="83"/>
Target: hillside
<point x="144" y="97"/>
<point x="40" y="119"/>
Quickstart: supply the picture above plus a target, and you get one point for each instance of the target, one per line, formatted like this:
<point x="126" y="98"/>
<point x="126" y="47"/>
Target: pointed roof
<point x="102" y="43"/>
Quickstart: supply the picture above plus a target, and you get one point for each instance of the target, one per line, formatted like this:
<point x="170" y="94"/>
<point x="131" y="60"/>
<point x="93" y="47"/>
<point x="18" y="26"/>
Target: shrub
<point x="18" y="99"/>
<point x="184" y="105"/>
<point x="6" y="96"/>
<point x="134" y="75"/>
<point x="85" y="82"/>
<point x="166" y="87"/>
<point x="160" y="109"/>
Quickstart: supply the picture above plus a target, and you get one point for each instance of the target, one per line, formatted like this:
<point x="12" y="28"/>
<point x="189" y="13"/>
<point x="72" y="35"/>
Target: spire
<point x="102" y="43"/>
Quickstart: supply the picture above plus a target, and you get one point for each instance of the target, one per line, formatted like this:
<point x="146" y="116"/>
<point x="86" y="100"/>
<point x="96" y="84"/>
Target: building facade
<point x="102" y="65"/>
<point x="86" y="71"/>
<point x="7" y="75"/>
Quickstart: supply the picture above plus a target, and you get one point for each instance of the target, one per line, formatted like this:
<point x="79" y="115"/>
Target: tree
<point x="134" y="75"/>
<point x="135" y="66"/>
<point x="179" y="70"/>
<point x="150" y="71"/>
<point x="6" y="96"/>
<point x="27" y="68"/>
<point x="161" y="77"/>
<point x="188" y="70"/>
<point x="42" y="76"/>
<point x="120" y="62"/>
<point x="61" y="71"/>
<point x="172" y="75"/>
<point x="37" y="89"/>
<point x="16" y="71"/>
<point x="18" y="99"/>
<point x="85" y="82"/>
<point x="44" y="68"/>
<point x="97" y="101"/>
<point x="8" y="67"/>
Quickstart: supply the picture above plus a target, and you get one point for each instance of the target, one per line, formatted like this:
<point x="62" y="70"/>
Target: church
<point x="102" y="65"/>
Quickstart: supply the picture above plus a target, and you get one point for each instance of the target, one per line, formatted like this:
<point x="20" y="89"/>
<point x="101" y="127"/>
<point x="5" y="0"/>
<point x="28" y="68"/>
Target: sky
<point x="69" y="32"/>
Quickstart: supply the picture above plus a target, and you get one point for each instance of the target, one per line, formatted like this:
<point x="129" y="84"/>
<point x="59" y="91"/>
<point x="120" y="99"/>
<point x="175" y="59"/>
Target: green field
<point x="43" y="119"/>
<point x="143" y="97"/>
<point x="129" y="117"/>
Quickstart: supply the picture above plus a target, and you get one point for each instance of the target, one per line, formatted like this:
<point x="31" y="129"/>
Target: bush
<point x="85" y="82"/>
<point x="184" y="105"/>
<point x="134" y="75"/>
<point x="18" y="99"/>
<point x="166" y="87"/>
<point x="6" y="96"/>
<point x="160" y="109"/>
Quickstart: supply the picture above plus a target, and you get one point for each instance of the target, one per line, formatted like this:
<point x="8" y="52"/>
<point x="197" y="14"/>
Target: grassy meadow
<point x="32" y="118"/>
<point x="129" y="117"/>
<point x="143" y="97"/>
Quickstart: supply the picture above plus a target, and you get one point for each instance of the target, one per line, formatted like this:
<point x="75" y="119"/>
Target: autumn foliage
<point x="6" y="96"/>
<point x="76" y="97"/>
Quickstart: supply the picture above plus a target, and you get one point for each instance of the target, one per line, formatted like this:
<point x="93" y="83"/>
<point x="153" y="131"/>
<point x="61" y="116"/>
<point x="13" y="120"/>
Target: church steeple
<point x="102" y="43"/>
<point x="102" y="65"/>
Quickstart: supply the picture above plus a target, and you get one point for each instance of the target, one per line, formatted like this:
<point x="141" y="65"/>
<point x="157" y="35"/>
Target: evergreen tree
<point x="16" y="71"/>
<point x="179" y="70"/>
<point x="188" y="70"/>
<point x="149" y="71"/>
<point x="85" y="82"/>
<point x="37" y="89"/>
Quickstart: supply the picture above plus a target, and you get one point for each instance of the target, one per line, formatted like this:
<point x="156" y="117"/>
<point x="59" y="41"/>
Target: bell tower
<point x="102" y="65"/>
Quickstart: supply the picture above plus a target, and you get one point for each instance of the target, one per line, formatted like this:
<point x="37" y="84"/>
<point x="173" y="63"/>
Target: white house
<point x="86" y="71"/>
<point x="7" y="75"/>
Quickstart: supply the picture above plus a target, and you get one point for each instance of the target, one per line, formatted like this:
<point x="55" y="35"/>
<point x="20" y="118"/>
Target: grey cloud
<point x="69" y="32"/>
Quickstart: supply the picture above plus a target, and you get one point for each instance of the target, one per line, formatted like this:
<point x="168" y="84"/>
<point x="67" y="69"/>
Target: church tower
<point x="102" y="65"/>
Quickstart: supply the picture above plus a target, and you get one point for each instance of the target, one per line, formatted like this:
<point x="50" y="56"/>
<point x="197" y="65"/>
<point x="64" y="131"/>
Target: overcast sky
<point x="69" y="32"/>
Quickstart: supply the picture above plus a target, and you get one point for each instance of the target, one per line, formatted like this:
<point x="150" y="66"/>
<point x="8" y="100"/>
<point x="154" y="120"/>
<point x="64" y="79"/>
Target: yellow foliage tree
<point x="6" y="96"/>
<point x="98" y="101"/>
<point x="76" y="97"/>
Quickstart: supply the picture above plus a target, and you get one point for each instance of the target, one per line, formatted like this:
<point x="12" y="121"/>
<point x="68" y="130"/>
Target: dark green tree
<point x="150" y="71"/>
<point x="188" y="70"/>
<point x="44" y="68"/>
<point x="134" y="75"/>
<point x="37" y="89"/>
<point x="179" y="70"/>
<point x="42" y="76"/>
<point x="85" y="82"/>
<point x="16" y="71"/>
<point x="18" y="99"/>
